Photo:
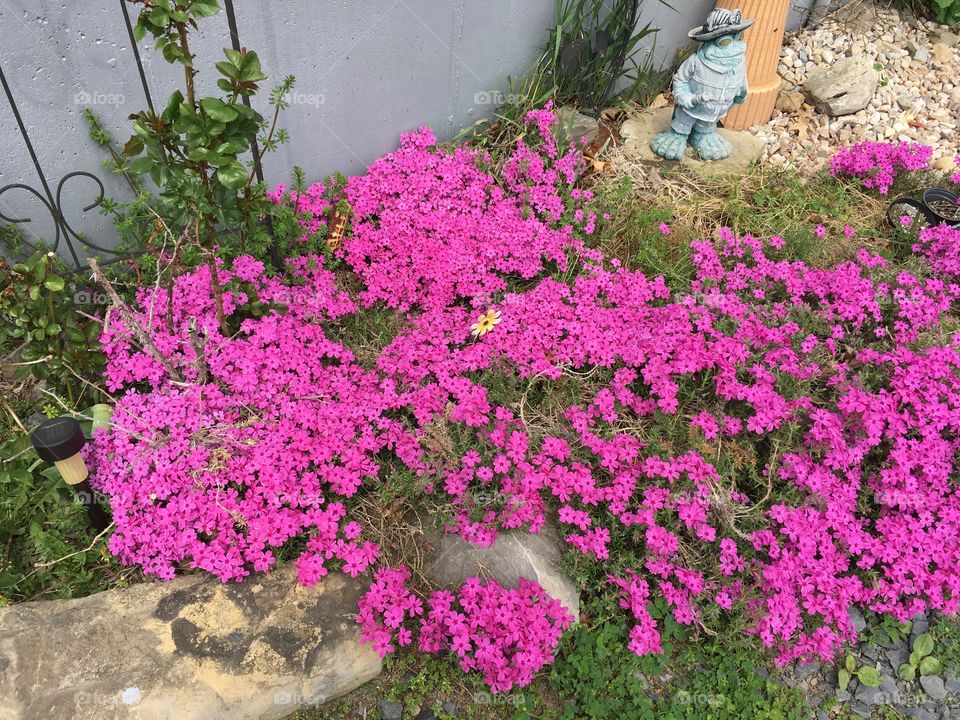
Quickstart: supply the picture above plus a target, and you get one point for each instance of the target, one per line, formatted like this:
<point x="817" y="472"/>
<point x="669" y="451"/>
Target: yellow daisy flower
<point x="485" y="323"/>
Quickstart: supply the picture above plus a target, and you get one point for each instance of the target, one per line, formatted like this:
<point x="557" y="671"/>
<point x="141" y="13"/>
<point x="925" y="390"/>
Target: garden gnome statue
<point x="705" y="87"/>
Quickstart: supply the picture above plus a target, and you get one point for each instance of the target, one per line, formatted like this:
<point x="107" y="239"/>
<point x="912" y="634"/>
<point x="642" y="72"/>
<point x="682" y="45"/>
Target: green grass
<point x="418" y="681"/>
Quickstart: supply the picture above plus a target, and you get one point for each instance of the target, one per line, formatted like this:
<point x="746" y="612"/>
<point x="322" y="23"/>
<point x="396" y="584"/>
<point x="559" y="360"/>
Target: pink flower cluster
<point x="940" y="244"/>
<point x="227" y="447"/>
<point x="432" y="227"/>
<point x="256" y="440"/>
<point x="879" y="163"/>
<point x="508" y="635"/>
<point x="771" y="375"/>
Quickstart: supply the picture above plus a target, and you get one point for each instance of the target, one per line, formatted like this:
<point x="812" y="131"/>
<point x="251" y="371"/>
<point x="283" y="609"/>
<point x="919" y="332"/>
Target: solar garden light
<point x="60" y="440"/>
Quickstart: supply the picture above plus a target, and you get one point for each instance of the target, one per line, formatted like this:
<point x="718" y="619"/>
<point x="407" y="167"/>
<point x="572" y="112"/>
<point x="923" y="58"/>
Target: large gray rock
<point x="515" y="554"/>
<point x="844" y="87"/>
<point x="640" y="129"/>
<point x="190" y="649"/>
<point x="580" y="128"/>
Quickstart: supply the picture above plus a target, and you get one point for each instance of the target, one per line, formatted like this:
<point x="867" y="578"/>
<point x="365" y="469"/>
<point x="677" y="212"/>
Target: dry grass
<point x="763" y="202"/>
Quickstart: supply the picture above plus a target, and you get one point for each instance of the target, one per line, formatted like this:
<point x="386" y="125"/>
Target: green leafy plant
<point x="591" y="53"/>
<point x="591" y="45"/>
<point x="867" y="674"/>
<point x="49" y="548"/>
<point x="945" y="12"/>
<point x="192" y="150"/>
<point x="921" y="659"/>
<point x="694" y="679"/>
<point x="42" y="328"/>
<point x="885" y="630"/>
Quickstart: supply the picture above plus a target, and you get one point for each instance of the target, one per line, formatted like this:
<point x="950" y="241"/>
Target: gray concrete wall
<point x="366" y="71"/>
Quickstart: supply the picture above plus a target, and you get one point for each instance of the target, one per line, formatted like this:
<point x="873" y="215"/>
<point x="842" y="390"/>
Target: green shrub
<point x="946" y="12"/>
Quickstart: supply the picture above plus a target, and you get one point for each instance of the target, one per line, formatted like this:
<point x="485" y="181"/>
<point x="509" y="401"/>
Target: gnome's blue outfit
<point x="705" y="87"/>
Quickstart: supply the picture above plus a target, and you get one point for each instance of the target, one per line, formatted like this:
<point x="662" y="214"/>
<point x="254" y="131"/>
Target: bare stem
<point x="131" y="321"/>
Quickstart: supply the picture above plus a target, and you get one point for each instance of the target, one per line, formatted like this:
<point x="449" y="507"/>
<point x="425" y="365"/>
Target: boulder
<point x="515" y="554"/>
<point x="189" y="649"/>
<point x="579" y="128"/>
<point x="640" y="129"/>
<point x="844" y="87"/>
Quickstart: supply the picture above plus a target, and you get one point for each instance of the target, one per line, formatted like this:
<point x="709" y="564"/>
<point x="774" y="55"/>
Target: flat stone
<point x="790" y="102"/>
<point x="640" y="129"/>
<point x="891" y="693"/>
<point x="952" y="683"/>
<point x="515" y="555"/>
<point x="871" y="652"/>
<point x="869" y="696"/>
<point x="933" y="686"/>
<point x="944" y="164"/>
<point x="857" y="17"/>
<point x="579" y="127"/>
<point x="857" y="619"/>
<point x="844" y="87"/>
<point x="905" y="101"/>
<point x="920" y="713"/>
<point x="922" y="55"/>
<point x="942" y="53"/>
<point x="805" y="670"/>
<point x="919" y="624"/>
<point x="950" y="39"/>
<point x="898" y="655"/>
<point x="191" y="649"/>
<point x="390" y="710"/>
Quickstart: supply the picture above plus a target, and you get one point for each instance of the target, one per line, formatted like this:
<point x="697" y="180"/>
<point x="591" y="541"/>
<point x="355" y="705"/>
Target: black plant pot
<point x="942" y="205"/>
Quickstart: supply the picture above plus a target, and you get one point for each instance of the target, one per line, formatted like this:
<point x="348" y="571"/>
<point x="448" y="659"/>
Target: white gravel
<point x="918" y="98"/>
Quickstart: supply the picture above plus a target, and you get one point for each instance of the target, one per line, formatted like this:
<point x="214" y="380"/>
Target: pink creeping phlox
<point x="273" y="433"/>
<point x="508" y="635"/>
<point x="879" y="163"/>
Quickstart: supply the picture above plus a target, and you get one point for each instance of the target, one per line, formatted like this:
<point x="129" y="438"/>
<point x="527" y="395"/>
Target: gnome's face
<point x="728" y="50"/>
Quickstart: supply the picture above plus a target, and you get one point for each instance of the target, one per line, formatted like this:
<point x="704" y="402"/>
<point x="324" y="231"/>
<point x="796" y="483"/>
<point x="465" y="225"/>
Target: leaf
<point x="250" y="68"/>
<point x="930" y="666"/>
<point x="233" y="175"/>
<point x="843" y="678"/>
<point x="907" y="672"/>
<point x="54" y="283"/>
<point x="205" y="8"/>
<point x="923" y="645"/>
<point x="869" y="676"/>
<point x="218" y="109"/>
<point x="849" y="663"/>
<point x="101" y="414"/>
<point x="133" y="146"/>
